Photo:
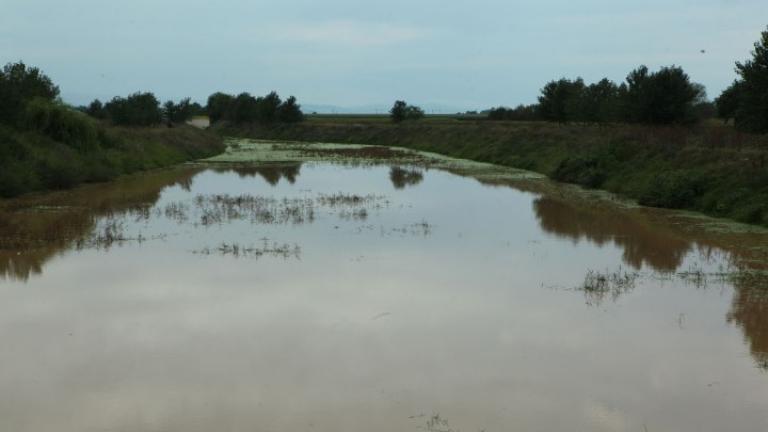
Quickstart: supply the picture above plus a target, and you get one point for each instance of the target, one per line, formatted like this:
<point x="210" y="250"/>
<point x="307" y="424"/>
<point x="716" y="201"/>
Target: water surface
<point x="336" y="298"/>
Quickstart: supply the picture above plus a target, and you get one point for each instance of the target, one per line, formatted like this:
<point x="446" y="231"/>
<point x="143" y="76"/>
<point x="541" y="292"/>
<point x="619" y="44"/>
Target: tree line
<point x="245" y="108"/>
<point x="663" y="97"/>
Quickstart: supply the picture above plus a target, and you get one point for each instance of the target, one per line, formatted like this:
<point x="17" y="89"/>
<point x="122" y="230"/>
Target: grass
<point x="711" y="169"/>
<point x="36" y="161"/>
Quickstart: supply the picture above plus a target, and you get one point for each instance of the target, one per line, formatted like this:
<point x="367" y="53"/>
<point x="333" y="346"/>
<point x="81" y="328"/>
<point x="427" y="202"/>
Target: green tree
<point x="268" y="106"/>
<point x="96" y="109"/>
<point x="752" y="112"/>
<point x="244" y="109"/>
<point x="562" y="100"/>
<point x="600" y="102"/>
<point x="138" y="109"/>
<point x="398" y="111"/>
<point x="178" y="113"/>
<point x="402" y="111"/>
<point x="19" y="84"/>
<point x="290" y="111"/>
<point x="728" y="101"/>
<point x="218" y="106"/>
<point x="664" y="97"/>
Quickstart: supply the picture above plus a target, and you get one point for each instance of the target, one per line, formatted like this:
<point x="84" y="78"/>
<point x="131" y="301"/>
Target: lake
<point x="331" y="296"/>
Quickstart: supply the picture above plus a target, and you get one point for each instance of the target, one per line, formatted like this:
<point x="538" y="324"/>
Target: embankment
<point x="710" y="169"/>
<point x="32" y="160"/>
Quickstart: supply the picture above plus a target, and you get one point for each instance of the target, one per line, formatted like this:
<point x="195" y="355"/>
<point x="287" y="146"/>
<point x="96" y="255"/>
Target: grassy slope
<point x="711" y="169"/>
<point x="32" y="161"/>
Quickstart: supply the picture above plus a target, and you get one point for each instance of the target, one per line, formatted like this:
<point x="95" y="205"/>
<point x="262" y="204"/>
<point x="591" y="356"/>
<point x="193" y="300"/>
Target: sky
<point x="362" y="55"/>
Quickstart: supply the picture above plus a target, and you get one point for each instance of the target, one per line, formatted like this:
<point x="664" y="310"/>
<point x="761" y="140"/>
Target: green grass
<point x="711" y="169"/>
<point x="36" y="161"/>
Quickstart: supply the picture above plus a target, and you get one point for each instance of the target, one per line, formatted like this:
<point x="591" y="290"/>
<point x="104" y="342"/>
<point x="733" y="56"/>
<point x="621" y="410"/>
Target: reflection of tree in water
<point x="35" y="229"/>
<point x="642" y="244"/>
<point x="402" y="177"/>
<point x="749" y="311"/>
<point x="271" y="173"/>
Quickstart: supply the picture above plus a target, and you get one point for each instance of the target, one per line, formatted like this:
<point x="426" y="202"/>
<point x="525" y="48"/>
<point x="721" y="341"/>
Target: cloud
<point x="351" y="33"/>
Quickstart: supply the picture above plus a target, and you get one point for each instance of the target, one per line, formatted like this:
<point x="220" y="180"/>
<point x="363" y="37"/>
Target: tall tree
<point x="752" y="112"/>
<point x="560" y="100"/>
<point x="728" y="101"/>
<point x="218" y="105"/>
<point x="19" y="84"/>
<point x="399" y="111"/>
<point x="664" y="97"/>
<point x="290" y="111"/>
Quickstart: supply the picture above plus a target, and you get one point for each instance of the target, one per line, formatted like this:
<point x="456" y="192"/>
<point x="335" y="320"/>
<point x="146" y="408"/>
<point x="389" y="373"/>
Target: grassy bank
<point x="32" y="160"/>
<point x="712" y="169"/>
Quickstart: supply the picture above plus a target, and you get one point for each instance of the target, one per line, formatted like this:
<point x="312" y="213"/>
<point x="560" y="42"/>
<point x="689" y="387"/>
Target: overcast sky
<point x="467" y="55"/>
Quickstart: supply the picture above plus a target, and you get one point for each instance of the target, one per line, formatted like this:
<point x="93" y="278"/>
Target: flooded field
<point x="371" y="290"/>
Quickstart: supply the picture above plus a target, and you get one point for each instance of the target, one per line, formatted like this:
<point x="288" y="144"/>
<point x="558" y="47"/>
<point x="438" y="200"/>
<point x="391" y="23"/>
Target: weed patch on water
<point x="598" y="286"/>
<point x="111" y="233"/>
<point x="238" y="250"/>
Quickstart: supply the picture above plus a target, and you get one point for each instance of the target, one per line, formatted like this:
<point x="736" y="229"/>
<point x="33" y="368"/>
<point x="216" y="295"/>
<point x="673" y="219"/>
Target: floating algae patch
<point x="241" y="151"/>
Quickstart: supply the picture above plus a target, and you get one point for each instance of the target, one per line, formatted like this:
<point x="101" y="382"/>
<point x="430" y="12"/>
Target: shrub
<point x="672" y="190"/>
<point x="62" y="124"/>
<point x="585" y="171"/>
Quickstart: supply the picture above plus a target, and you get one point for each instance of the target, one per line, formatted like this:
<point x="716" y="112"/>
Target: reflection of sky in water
<point x="476" y="320"/>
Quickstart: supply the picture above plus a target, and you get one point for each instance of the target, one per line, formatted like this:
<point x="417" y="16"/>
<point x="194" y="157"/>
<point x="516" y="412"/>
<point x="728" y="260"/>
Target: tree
<point x="664" y="97"/>
<point x="243" y="109"/>
<point x="96" y="109"/>
<point x="138" y="109"/>
<point x="398" y="111"/>
<point x="728" y="101"/>
<point x="268" y="107"/>
<point x="561" y="100"/>
<point x="519" y="113"/>
<point x="600" y="102"/>
<point x="20" y="84"/>
<point x="752" y="112"/>
<point x="290" y="111"/>
<point x="178" y="113"/>
<point x="402" y="111"/>
<point x="218" y="106"/>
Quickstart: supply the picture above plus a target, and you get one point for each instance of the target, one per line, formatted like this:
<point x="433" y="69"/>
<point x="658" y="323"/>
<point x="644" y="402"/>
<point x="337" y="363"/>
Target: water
<point x="336" y="298"/>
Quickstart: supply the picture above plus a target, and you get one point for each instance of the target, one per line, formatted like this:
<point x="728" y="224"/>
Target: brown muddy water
<point x="330" y="297"/>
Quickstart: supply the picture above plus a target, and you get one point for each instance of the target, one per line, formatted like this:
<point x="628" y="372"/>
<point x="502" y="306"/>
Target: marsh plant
<point x="238" y="250"/>
<point x="598" y="286"/>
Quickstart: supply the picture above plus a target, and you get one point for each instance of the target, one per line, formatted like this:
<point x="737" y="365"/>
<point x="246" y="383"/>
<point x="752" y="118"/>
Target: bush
<point x="62" y="124"/>
<point x="60" y="171"/>
<point x="17" y="178"/>
<point x="585" y="171"/>
<point x="673" y="190"/>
